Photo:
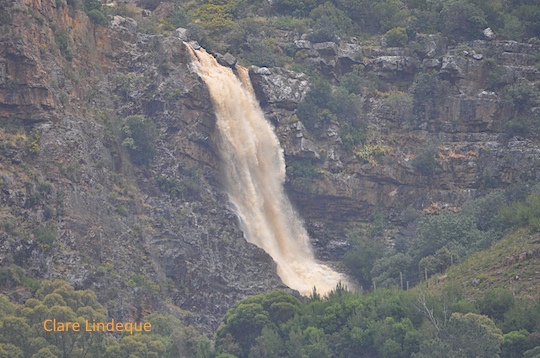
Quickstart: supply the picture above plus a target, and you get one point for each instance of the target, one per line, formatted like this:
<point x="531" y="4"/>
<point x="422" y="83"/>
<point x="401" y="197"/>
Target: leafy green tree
<point x="496" y="302"/>
<point x="8" y="350"/>
<point x="462" y="20"/>
<point x="532" y="353"/>
<point x="396" y="37"/>
<point x="362" y="256"/>
<point x="243" y="323"/>
<point x="515" y="344"/>
<point x="268" y="344"/>
<point x="315" y="343"/>
<point x="386" y="270"/>
<point x="341" y="23"/>
<point x="54" y="300"/>
<point x="468" y="335"/>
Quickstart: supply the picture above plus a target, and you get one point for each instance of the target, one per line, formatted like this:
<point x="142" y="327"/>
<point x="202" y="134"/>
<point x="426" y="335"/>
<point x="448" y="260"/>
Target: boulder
<point x="396" y="63"/>
<point x="489" y="34"/>
<point x="349" y="54"/>
<point x="278" y="86"/>
<point x="431" y="63"/>
<point x="226" y="60"/>
<point x="182" y="33"/>
<point x="302" y="44"/>
<point x="326" y="48"/>
<point x="453" y="66"/>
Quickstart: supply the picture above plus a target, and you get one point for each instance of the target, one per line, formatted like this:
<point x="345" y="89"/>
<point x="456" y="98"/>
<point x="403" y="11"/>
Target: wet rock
<point x="226" y="60"/>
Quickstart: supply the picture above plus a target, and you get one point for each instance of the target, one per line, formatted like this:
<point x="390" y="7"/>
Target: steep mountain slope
<point x="73" y="204"/>
<point x="80" y="202"/>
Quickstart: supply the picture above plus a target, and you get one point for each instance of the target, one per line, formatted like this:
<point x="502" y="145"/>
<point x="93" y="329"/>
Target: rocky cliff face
<point x="472" y="151"/>
<point x="157" y="237"/>
<point x="161" y="236"/>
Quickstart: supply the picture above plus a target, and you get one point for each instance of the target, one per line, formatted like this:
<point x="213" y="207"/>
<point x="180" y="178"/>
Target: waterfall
<point x="254" y="173"/>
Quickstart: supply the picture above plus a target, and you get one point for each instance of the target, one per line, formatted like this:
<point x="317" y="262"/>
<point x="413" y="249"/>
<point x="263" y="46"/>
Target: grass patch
<point x="512" y="263"/>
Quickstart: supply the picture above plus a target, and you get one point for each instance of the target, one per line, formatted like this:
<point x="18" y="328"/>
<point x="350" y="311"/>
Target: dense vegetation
<point x="436" y="242"/>
<point x="247" y="27"/>
<point x="22" y="332"/>
<point x="434" y="319"/>
<point x="389" y="321"/>
<point x="386" y="323"/>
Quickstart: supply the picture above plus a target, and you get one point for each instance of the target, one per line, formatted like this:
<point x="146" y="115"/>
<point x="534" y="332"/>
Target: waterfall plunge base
<point x="254" y="173"/>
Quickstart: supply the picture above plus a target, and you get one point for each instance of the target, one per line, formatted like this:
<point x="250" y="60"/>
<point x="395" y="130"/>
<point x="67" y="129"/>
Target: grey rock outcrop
<point x="226" y="60"/>
<point x="396" y="63"/>
<point x="278" y="86"/>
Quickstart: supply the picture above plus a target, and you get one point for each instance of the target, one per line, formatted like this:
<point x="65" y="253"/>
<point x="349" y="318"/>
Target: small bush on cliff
<point x="139" y="137"/>
<point x="521" y="213"/>
<point x="397" y="37"/>
<point x="98" y="17"/>
<point x="522" y="96"/>
<point x="62" y="40"/>
<point x="462" y="20"/>
<point x="324" y="105"/>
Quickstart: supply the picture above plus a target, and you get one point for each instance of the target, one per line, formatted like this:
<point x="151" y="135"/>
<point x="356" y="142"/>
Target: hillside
<point x="409" y="132"/>
<point x="512" y="263"/>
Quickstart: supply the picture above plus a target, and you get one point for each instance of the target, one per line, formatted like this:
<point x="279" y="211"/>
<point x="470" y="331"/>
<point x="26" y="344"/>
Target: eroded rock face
<point x="465" y="135"/>
<point x="141" y="237"/>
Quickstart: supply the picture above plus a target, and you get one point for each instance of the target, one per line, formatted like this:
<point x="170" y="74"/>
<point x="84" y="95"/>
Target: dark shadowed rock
<point x="226" y="60"/>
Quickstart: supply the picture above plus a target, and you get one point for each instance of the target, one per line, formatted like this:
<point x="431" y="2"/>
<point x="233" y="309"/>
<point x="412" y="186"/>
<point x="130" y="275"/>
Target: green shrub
<point x="263" y="52"/>
<point x="295" y="8"/>
<point x="98" y="17"/>
<point x="428" y="92"/>
<point x="324" y="30"/>
<point x="520" y="214"/>
<point x="397" y="37"/>
<point x="62" y="40"/>
<point x="5" y="18"/>
<point x="178" y="17"/>
<point x="522" y="96"/>
<point x="139" y="137"/>
<point x="44" y="237"/>
<point x="521" y="126"/>
<point x="353" y="81"/>
<point x="171" y="186"/>
<point x="323" y="106"/>
<point x="298" y="167"/>
<point x="341" y="23"/>
<point x="496" y="302"/>
<point x="462" y="20"/>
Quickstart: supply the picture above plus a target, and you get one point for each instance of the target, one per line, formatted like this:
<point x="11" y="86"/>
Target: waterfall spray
<point x="254" y="173"/>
